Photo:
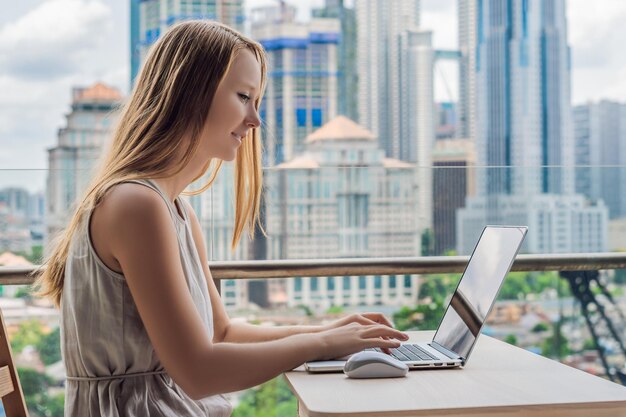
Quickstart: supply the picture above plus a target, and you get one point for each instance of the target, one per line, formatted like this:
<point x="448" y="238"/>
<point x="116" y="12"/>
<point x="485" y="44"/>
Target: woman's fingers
<point x="378" y="318"/>
<point x="380" y="330"/>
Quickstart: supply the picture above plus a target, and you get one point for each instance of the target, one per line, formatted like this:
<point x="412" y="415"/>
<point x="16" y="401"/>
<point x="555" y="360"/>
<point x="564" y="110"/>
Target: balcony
<point x="353" y="238"/>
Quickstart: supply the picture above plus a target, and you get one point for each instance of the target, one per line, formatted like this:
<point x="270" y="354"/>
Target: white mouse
<point x="371" y="364"/>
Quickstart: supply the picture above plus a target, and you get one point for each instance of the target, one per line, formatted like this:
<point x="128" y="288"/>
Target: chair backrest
<point x="10" y="388"/>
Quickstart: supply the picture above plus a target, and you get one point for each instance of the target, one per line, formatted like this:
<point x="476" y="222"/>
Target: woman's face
<point x="232" y="112"/>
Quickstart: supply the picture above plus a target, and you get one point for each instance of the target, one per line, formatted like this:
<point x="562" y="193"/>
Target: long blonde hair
<point x="172" y="97"/>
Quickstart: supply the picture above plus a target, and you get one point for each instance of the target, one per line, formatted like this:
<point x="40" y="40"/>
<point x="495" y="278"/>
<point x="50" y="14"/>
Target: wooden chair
<point x="10" y="388"/>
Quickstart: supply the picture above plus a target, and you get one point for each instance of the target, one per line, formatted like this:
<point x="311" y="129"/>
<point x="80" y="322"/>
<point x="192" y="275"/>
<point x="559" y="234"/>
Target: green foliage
<point x="540" y="327"/>
<point x="428" y="243"/>
<point x="49" y="347"/>
<point x="438" y="286"/>
<point x="422" y="317"/>
<point x="589" y="344"/>
<point x="24" y="292"/>
<point x="511" y="339"/>
<point x="29" y="333"/>
<point x="557" y="345"/>
<point x="335" y="310"/>
<point x="519" y="284"/>
<point x="35" y="387"/>
<point x="307" y="310"/>
<point x="272" y="399"/>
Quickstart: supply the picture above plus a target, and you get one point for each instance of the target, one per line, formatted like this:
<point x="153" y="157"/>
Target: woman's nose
<point x="253" y="119"/>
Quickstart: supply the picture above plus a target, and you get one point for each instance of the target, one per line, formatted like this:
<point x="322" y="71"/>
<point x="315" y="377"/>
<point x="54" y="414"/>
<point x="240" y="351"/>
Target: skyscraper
<point x="151" y="18"/>
<point x="301" y="93"/>
<point x="347" y="84"/>
<point x="523" y="111"/>
<point x="392" y="59"/>
<point x="467" y="65"/>
<point x="524" y="140"/>
<point x="600" y="136"/>
<point x="80" y="144"/>
<point x="396" y="103"/>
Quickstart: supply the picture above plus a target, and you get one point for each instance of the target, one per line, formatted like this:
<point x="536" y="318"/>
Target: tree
<point x="557" y="345"/>
<point x="422" y="317"/>
<point x="49" y="347"/>
<point x="438" y="286"/>
<point x="35" y="387"/>
<point x="511" y="339"/>
<point x="335" y="310"/>
<point x="272" y="399"/>
<point x="540" y="327"/>
<point x="428" y="243"/>
<point x="29" y="333"/>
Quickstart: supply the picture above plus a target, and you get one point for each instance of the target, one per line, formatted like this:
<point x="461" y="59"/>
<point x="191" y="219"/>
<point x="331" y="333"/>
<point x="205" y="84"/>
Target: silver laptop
<point x="468" y="309"/>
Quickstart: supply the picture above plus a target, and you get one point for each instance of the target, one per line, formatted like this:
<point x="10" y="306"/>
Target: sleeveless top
<point x="112" y="367"/>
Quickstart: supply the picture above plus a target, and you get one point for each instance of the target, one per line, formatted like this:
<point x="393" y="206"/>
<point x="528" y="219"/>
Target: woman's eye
<point x="244" y="97"/>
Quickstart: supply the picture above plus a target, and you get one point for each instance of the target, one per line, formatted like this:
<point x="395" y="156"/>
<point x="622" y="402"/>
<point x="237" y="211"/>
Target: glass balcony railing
<point x="327" y="228"/>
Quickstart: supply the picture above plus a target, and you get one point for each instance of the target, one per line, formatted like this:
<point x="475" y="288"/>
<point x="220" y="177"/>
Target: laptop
<point x="467" y="310"/>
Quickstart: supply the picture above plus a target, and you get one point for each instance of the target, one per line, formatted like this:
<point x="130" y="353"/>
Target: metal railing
<point x="373" y="266"/>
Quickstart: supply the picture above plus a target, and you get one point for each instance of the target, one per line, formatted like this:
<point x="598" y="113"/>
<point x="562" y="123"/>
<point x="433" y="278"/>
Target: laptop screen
<point x="478" y="288"/>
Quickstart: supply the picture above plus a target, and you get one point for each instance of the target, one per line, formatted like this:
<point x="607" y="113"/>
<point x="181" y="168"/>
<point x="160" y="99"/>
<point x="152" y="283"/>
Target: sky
<point x="49" y="46"/>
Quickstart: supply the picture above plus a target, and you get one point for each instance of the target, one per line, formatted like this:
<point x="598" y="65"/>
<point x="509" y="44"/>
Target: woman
<point x="143" y="329"/>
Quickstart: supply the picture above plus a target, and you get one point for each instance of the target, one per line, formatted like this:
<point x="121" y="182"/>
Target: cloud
<point x="54" y="39"/>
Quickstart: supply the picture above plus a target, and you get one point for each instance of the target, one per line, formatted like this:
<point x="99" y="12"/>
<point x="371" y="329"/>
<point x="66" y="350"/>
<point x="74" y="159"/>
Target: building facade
<point x="467" y="24"/>
<point x="600" y="135"/>
<point x="342" y="198"/>
<point x="301" y="92"/>
<point x="149" y="19"/>
<point x="556" y="223"/>
<point x="346" y="63"/>
<point x="79" y="146"/>
<point x="523" y="113"/>
<point x="453" y="181"/>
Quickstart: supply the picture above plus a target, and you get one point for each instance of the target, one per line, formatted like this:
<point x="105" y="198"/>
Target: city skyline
<point x="36" y="97"/>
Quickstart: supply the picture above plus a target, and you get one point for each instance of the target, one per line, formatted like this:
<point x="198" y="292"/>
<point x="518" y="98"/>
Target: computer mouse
<point x="371" y="364"/>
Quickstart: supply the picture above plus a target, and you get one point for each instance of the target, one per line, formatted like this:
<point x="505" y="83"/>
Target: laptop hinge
<point x="447" y="352"/>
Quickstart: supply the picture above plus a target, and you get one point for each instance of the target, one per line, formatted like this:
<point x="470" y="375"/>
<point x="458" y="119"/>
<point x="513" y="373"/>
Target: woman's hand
<point x="354" y="337"/>
<point x="364" y="319"/>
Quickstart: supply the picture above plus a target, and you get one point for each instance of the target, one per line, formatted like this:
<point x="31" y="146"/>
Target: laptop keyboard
<point x="409" y="352"/>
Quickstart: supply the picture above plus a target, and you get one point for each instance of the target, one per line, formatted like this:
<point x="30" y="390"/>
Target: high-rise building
<point x="79" y="146"/>
<point x="466" y="127"/>
<point x="524" y="136"/>
<point x="301" y="93"/>
<point x="343" y="198"/>
<point x="446" y="121"/>
<point x="600" y="136"/>
<point x="396" y="102"/>
<point x="151" y="18"/>
<point x="453" y="182"/>
<point x="346" y="62"/>
<point x="394" y="64"/>
<point x="523" y="111"/>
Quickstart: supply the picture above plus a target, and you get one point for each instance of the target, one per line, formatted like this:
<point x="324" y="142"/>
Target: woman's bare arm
<point x="138" y="230"/>
<point x="224" y="329"/>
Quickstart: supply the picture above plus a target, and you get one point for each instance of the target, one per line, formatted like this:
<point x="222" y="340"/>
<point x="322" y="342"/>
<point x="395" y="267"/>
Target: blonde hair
<point x="171" y="99"/>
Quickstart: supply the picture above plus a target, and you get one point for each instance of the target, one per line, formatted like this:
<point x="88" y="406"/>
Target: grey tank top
<point x="112" y="368"/>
